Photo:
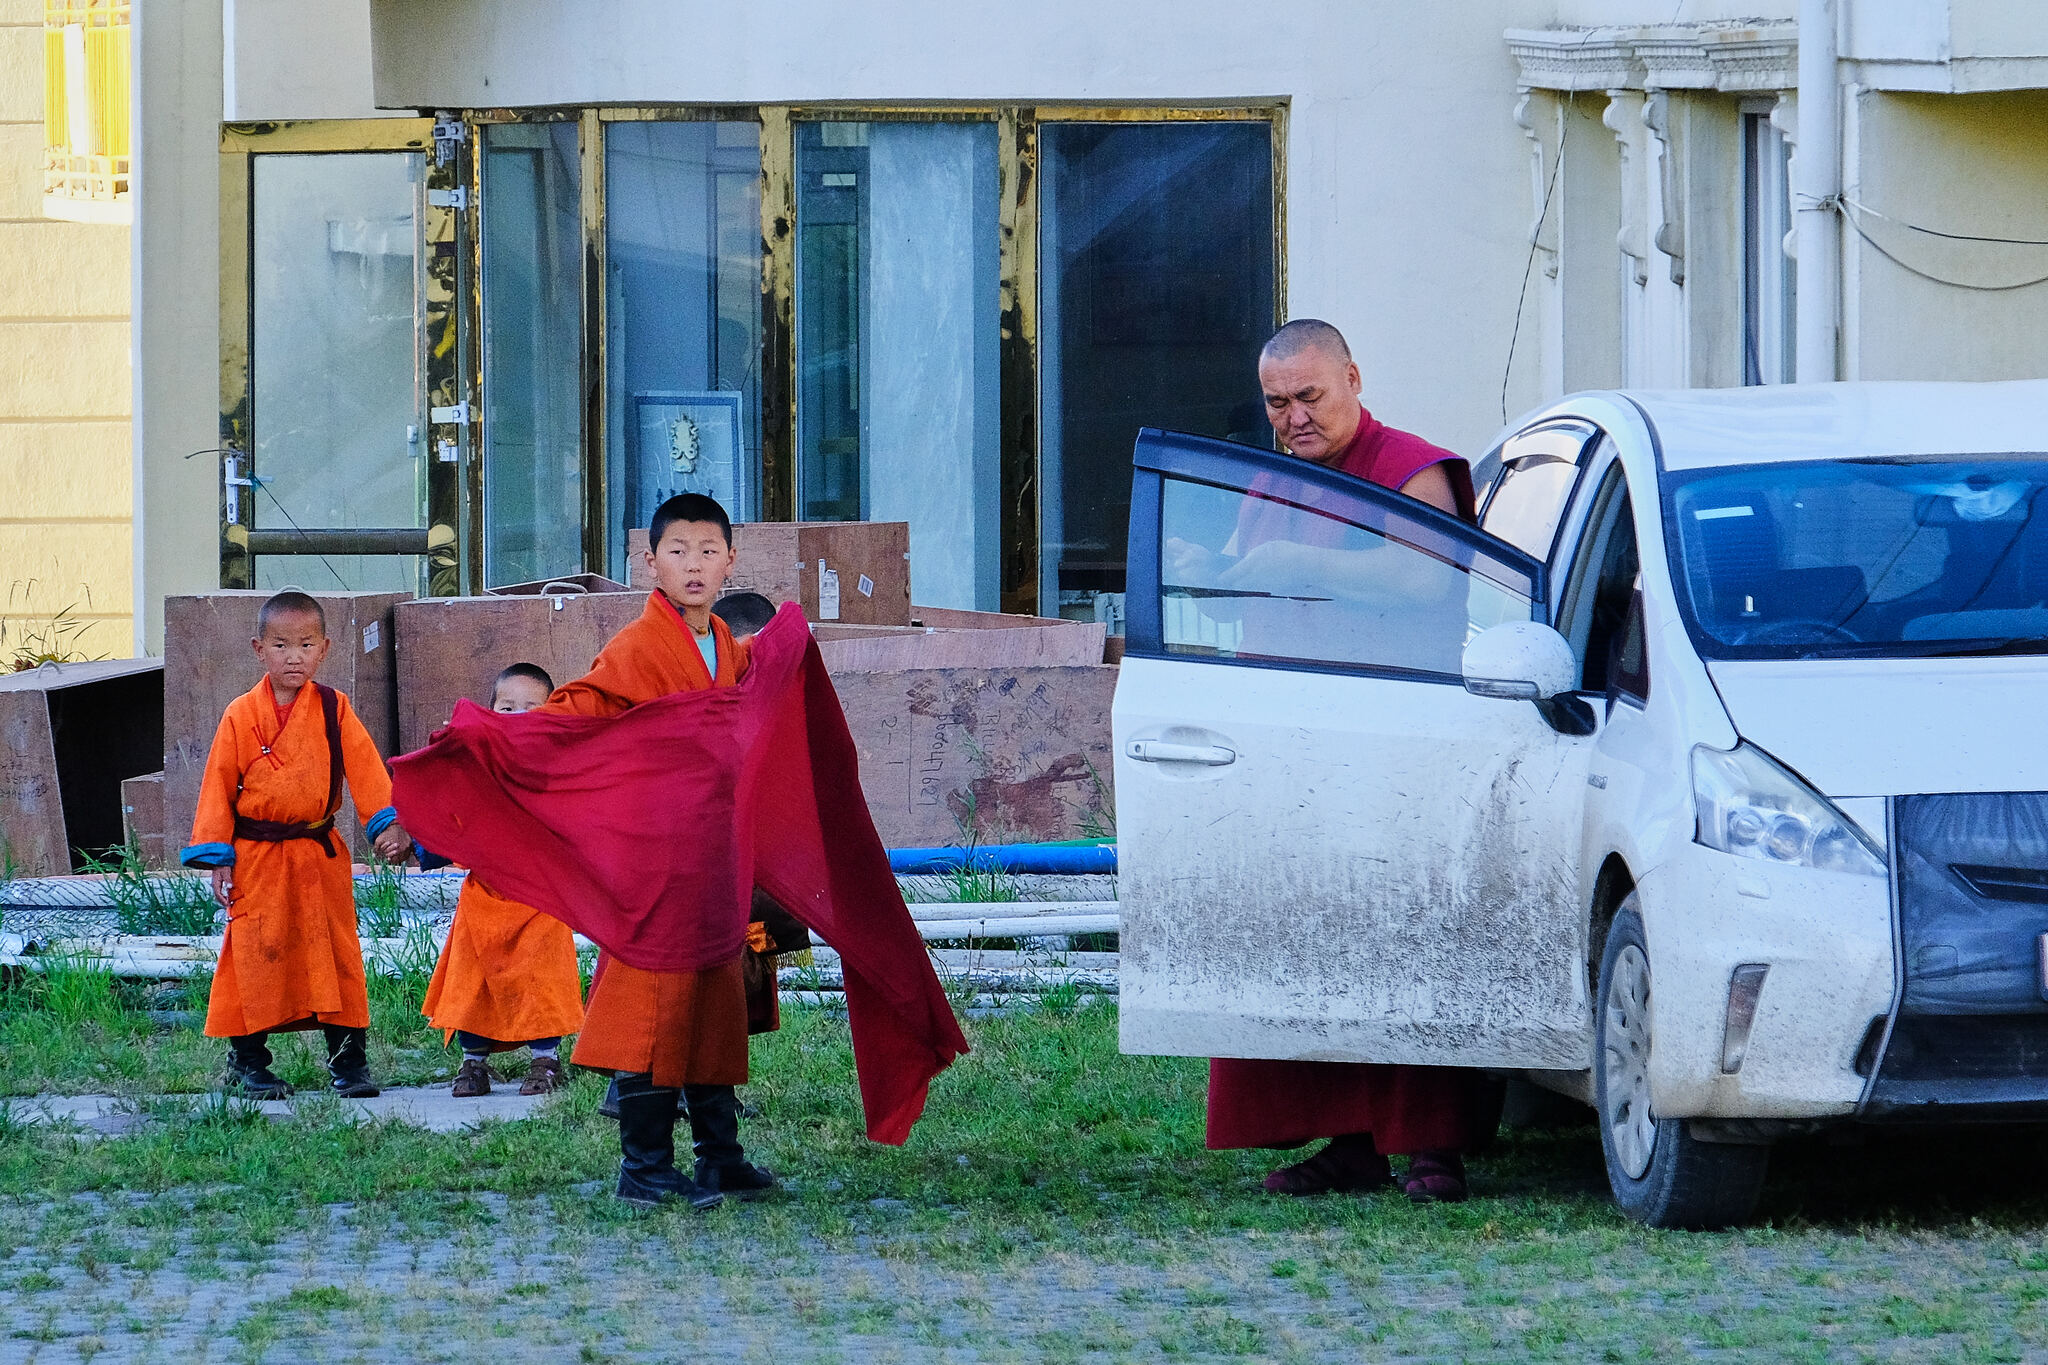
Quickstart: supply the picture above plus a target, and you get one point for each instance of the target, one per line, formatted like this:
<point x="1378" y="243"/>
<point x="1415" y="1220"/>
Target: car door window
<point x="1296" y="569"/>
<point x="1538" y="471"/>
<point x="1601" y="613"/>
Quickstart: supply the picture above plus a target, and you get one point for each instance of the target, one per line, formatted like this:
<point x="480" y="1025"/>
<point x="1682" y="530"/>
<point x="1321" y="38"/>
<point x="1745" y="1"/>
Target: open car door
<point x="1328" y="849"/>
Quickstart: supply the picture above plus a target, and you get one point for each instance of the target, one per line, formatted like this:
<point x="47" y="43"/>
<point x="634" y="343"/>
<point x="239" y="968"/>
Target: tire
<point x="1660" y="1174"/>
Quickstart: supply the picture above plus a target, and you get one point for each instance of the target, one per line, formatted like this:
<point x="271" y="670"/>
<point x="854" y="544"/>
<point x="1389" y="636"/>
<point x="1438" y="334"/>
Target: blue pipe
<point x="1068" y="859"/>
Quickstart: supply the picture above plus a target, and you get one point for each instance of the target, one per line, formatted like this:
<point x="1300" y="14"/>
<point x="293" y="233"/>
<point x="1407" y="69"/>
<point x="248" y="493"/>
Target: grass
<point x="31" y="643"/>
<point x="148" y="902"/>
<point x="1056" y="1203"/>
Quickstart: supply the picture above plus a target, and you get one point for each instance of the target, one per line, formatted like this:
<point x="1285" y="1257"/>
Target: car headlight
<point x="1750" y="806"/>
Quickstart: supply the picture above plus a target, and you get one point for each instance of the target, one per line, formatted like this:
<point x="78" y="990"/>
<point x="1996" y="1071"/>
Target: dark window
<point x="1601" y="605"/>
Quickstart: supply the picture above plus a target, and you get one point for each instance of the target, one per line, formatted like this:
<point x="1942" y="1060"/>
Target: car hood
<point x="1891" y="727"/>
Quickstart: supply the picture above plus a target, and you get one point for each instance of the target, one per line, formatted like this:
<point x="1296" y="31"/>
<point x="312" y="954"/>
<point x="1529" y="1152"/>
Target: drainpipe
<point x="1816" y="189"/>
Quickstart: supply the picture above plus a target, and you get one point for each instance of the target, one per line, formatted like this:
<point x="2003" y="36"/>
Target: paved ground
<point x="428" y="1106"/>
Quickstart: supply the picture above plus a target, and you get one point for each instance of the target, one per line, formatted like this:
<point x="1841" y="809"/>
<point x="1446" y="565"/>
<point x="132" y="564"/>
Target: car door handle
<point x="1159" y="751"/>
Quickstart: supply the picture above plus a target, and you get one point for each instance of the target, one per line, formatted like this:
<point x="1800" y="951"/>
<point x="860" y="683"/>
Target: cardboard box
<point x="866" y="567"/>
<point x="207" y="664"/>
<point x="454" y="647"/>
<point x="142" y="818"/>
<point x="69" y="735"/>
<point x="984" y="755"/>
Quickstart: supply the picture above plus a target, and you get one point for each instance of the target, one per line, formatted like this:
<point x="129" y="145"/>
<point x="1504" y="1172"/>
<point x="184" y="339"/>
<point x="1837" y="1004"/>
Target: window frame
<point x="1161" y="455"/>
<point x="1588" y="437"/>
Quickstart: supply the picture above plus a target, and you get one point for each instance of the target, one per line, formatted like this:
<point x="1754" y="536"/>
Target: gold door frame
<point x="445" y="379"/>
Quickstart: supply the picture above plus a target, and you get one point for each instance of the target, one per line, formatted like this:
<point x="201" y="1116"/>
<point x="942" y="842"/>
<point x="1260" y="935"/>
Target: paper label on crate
<point x="866" y="586"/>
<point x="828" y="593"/>
<point x="373" y="636"/>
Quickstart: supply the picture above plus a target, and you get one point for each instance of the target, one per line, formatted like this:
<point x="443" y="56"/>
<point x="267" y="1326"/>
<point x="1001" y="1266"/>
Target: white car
<point x="1707" y="782"/>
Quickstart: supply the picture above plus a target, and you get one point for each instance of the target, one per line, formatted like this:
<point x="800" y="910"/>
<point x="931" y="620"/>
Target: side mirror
<point x="1520" y="661"/>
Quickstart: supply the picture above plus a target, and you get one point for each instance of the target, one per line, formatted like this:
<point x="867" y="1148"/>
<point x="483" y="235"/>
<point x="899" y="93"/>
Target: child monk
<point x="507" y="977"/>
<point x="660" y="1033"/>
<point x="265" y="828"/>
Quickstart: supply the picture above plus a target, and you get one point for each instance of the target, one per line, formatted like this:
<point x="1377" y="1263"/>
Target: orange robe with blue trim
<point x="507" y="972"/>
<point x="686" y="1028"/>
<point x="290" y="958"/>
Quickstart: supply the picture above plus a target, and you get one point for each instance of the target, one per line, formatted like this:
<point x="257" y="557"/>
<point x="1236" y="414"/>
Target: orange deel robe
<point x="687" y="1028"/>
<point x="290" y="958"/>
<point x="507" y="972"/>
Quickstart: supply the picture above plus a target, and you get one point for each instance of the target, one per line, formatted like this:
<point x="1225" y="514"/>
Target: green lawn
<point x="1055" y="1203"/>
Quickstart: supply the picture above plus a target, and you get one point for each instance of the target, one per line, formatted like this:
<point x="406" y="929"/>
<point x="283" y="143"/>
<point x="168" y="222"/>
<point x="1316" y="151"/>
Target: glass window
<point x="1538" y="470"/>
<point x="682" y="319"/>
<point x="1156" y="293"/>
<point x="533" y="353"/>
<point x="336" y="399"/>
<point x="1595" y="616"/>
<point x="1768" y="278"/>
<point x="1863" y="558"/>
<point x="1291" y="572"/>
<point x="898" y="337"/>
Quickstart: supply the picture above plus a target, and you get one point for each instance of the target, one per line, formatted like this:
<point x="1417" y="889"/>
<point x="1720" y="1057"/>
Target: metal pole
<point x="1816" y="187"/>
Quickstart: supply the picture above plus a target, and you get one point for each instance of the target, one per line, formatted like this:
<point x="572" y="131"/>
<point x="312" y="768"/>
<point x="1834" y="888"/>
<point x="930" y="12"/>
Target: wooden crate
<point x="992" y="755"/>
<point x="1033" y="642"/>
<point x="780" y="560"/>
<point x="69" y="735"/>
<point x="454" y="647"/>
<point x="142" y="819"/>
<point x="207" y="664"/>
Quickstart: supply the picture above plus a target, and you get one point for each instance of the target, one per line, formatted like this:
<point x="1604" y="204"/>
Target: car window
<point x="1293" y="572"/>
<point x="1601" y="591"/>
<point x="1538" y="470"/>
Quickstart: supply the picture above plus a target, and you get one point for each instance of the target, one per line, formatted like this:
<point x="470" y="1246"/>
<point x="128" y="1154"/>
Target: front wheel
<point x="1660" y="1174"/>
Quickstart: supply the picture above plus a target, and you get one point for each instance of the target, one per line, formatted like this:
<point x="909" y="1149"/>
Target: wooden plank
<point x="779" y="560"/>
<point x="991" y="755"/>
<point x="207" y="664"/>
<point x="32" y="840"/>
<point x="142" y="817"/>
<point x="1054" y="644"/>
<point x="454" y="647"/>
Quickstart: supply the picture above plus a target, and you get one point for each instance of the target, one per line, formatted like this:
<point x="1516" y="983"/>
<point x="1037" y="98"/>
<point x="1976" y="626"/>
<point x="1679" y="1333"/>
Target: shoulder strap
<point x="330" y="714"/>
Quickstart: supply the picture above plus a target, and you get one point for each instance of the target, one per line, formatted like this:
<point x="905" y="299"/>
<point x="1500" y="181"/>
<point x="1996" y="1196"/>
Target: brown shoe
<point x="1345" y="1166"/>
<point x="474" y="1079"/>
<point x="543" y="1077"/>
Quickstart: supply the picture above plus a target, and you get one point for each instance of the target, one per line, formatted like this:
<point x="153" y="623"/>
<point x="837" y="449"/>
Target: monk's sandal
<point x="472" y="1080"/>
<point x="543" y="1077"/>
<point x="1332" y="1171"/>
<point x="1435" y="1178"/>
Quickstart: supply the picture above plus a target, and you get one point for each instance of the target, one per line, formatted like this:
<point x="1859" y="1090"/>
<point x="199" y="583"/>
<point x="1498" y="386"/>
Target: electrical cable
<point x="1936" y="232"/>
<point x="1529" y="266"/>
<point x="1911" y="269"/>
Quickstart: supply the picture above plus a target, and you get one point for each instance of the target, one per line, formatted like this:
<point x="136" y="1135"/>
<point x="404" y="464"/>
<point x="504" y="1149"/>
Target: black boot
<point x="609" y="1108"/>
<point x="647" y="1148"/>
<point x="715" y="1129"/>
<point x="249" y="1073"/>
<point x="349" y="1063"/>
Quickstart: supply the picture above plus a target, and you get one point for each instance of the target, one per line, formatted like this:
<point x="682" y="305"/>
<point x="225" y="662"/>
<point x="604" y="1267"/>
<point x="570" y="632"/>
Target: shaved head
<point x="1307" y="334"/>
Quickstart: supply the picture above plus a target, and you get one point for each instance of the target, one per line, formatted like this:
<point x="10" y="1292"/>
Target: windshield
<point x="1896" y="558"/>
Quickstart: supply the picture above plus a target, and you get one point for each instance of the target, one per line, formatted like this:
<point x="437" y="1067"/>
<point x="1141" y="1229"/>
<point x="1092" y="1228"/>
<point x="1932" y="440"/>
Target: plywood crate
<point x="69" y="735"/>
<point x="781" y="561"/>
<point x="207" y="664"/>
<point x="454" y="647"/>
<point x="142" y="819"/>
<point x="988" y="755"/>
<point x="1030" y="642"/>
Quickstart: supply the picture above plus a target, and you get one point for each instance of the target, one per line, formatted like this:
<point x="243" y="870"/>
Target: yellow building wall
<point x="66" y="504"/>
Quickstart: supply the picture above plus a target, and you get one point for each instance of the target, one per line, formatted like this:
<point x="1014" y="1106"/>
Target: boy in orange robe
<point x="290" y="958"/>
<point x="507" y="977"/>
<point x="667" y="1036"/>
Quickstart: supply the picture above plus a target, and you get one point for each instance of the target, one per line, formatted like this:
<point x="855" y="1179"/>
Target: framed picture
<point x="688" y="443"/>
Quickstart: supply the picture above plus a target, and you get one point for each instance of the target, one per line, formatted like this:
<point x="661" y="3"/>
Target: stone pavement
<point x="425" y="1106"/>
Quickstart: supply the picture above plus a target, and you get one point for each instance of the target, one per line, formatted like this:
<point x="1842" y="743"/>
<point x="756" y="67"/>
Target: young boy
<point x="507" y="977"/>
<point x="265" y="829"/>
<point x="664" y="1032"/>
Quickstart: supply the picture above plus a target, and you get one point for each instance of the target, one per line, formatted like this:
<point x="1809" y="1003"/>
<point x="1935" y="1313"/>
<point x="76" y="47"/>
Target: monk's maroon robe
<point x="1259" y="1103"/>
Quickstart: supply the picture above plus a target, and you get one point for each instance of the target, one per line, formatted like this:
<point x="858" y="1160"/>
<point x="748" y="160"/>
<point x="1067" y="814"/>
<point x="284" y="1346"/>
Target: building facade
<point x="453" y="293"/>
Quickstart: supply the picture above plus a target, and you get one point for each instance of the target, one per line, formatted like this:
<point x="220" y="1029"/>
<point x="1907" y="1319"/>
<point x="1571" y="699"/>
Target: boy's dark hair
<point x="290" y="602"/>
<point x="533" y="672"/>
<point x="744" y="612"/>
<point x="687" y="507"/>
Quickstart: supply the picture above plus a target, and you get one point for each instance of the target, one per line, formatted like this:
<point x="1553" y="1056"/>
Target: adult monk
<point x="1433" y="1115"/>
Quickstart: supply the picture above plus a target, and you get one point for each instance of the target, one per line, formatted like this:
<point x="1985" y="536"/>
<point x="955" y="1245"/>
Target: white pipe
<point x="1816" y="188"/>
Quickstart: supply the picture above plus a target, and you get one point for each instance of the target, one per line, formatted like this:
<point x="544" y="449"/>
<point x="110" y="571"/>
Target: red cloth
<point x="648" y="832"/>
<point x="1257" y="1103"/>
